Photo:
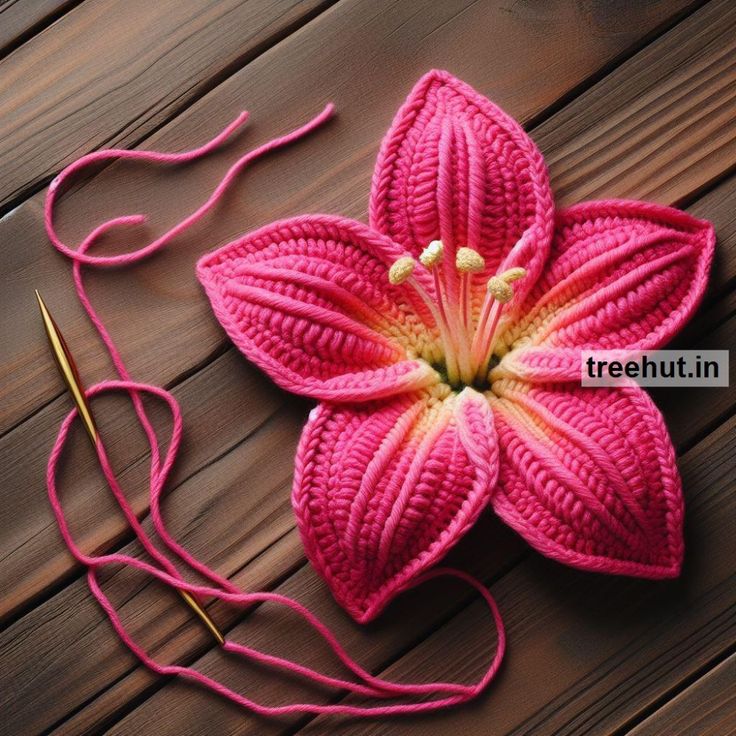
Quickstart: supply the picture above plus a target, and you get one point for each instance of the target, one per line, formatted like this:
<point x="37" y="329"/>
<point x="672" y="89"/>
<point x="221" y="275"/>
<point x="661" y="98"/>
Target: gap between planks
<point x="659" y="707"/>
<point x="38" y="19"/>
<point x="190" y="659"/>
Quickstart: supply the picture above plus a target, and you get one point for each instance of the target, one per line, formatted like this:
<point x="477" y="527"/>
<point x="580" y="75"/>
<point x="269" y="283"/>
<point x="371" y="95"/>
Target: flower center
<point x="467" y="343"/>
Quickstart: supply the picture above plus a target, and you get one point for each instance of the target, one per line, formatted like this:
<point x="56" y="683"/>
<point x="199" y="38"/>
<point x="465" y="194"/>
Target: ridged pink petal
<point x="621" y="275"/>
<point x="588" y="477"/>
<point x="382" y="490"/>
<point x="308" y="301"/>
<point x="455" y="166"/>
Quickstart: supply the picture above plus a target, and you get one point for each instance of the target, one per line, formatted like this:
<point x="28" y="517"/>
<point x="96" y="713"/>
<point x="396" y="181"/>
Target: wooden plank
<point x="687" y="421"/>
<point x="136" y="682"/>
<point x="231" y="389"/>
<point x="190" y="708"/>
<point x="636" y="136"/>
<point x="20" y="19"/>
<point x="123" y="79"/>
<point x="536" y="56"/>
<point x="36" y="533"/>
<point x="86" y="659"/>
<point x="560" y="623"/>
<point x="717" y="206"/>
<point x="586" y="652"/>
<point x="65" y="612"/>
<point x="706" y="708"/>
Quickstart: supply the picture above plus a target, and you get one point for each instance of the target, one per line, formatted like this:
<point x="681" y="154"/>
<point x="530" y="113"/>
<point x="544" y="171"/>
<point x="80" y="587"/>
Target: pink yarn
<point x="445" y="693"/>
<point x="455" y="382"/>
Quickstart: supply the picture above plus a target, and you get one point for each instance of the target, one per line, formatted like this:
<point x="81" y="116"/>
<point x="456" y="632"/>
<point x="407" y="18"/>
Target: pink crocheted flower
<point x="444" y="343"/>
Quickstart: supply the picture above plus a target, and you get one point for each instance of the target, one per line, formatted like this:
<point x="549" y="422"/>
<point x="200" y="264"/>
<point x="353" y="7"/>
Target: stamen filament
<point x="466" y="359"/>
<point x="431" y="258"/>
<point x="467" y="262"/>
<point x="465" y="301"/>
<point x="440" y="298"/>
<point x="480" y="330"/>
<point x="499" y="293"/>
<point x="402" y="271"/>
<point x="487" y="350"/>
<point x="454" y="329"/>
<point x="453" y="372"/>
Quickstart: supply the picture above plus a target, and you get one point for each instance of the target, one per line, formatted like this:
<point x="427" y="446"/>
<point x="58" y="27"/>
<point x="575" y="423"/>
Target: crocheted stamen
<point x="467" y="344"/>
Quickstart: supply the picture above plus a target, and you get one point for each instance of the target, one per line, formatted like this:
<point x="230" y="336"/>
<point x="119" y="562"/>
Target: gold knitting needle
<point x="70" y="374"/>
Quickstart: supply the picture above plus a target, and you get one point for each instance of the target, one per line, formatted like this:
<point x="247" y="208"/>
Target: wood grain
<point x="115" y="661"/>
<point x="728" y="403"/>
<point x="20" y="19"/>
<point x="125" y="78"/>
<point x="164" y="289"/>
<point x="665" y="111"/>
<point x="697" y="412"/>
<point x="331" y="171"/>
<point x="34" y="557"/>
<point x="226" y="524"/>
<point x="84" y="640"/>
<point x="717" y="206"/>
<point x="273" y="631"/>
<point x="706" y="708"/>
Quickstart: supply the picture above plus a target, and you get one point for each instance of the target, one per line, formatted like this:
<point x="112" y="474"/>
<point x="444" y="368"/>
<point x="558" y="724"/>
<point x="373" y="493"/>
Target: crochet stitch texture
<point x="444" y="342"/>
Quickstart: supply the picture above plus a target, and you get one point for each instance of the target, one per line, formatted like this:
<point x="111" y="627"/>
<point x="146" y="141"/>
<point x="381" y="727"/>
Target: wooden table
<point x="631" y="99"/>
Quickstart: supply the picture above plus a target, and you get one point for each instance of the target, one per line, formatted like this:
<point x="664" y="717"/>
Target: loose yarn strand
<point x="447" y="693"/>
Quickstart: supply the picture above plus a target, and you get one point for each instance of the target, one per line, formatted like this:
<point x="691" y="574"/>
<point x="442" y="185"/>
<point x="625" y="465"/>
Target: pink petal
<point x="588" y="477"/>
<point x="308" y="301"/>
<point x="621" y="275"/>
<point x="382" y="490"/>
<point x="456" y="167"/>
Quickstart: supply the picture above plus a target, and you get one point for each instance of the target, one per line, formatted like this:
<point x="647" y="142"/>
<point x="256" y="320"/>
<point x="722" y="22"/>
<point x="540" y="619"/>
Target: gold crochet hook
<point x="70" y="374"/>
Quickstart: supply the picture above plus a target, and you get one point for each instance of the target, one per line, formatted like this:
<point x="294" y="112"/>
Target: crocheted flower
<point x="444" y="343"/>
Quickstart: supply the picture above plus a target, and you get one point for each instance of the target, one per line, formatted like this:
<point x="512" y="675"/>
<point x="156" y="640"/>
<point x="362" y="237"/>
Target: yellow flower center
<point x="467" y="341"/>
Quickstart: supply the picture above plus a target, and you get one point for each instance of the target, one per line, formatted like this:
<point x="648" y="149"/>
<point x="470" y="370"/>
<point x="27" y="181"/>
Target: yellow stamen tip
<point x="432" y="254"/>
<point x="401" y="270"/>
<point x="468" y="260"/>
<point x="513" y="274"/>
<point x="500" y="290"/>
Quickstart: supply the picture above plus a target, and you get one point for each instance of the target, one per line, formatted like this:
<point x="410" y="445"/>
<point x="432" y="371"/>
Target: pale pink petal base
<point x="383" y="490"/>
<point x="588" y="477"/>
<point x="622" y="275"/>
<point x="307" y="300"/>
